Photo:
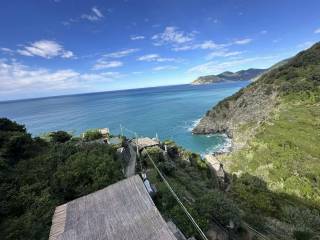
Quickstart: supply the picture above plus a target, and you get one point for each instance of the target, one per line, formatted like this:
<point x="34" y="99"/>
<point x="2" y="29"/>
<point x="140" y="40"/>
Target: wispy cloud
<point x="171" y="35"/>
<point x="94" y="15"/>
<point x="242" y="41"/>
<point x="17" y="79"/>
<point x="46" y="49"/>
<point x="6" y="50"/>
<point x="215" y="67"/>
<point x="107" y="60"/>
<point x="263" y="32"/>
<point x="317" y="31"/>
<point x="103" y="64"/>
<point x="223" y="53"/>
<point x="134" y="38"/>
<point x="155" y="58"/>
<point x="204" y="45"/>
<point x="165" y="67"/>
<point x="122" y="53"/>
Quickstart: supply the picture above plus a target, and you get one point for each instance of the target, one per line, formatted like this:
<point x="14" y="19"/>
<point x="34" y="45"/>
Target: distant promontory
<point x="242" y="75"/>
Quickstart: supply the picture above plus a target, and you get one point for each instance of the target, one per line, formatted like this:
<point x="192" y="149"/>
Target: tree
<point x="60" y="137"/>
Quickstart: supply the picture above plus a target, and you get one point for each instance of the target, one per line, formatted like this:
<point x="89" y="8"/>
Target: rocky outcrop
<point x="229" y="76"/>
<point x="251" y="104"/>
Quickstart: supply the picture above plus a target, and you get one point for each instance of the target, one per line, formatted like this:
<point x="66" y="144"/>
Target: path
<point x="131" y="168"/>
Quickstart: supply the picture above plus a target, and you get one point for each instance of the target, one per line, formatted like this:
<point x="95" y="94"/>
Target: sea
<point x="168" y="112"/>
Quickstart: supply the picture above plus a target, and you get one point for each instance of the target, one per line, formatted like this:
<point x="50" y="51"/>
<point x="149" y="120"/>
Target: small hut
<point x="105" y="132"/>
<point x="123" y="210"/>
<point x="144" y="142"/>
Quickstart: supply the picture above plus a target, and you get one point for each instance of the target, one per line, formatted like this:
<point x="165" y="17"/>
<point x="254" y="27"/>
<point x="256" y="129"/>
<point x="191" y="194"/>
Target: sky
<point x="58" y="47"/>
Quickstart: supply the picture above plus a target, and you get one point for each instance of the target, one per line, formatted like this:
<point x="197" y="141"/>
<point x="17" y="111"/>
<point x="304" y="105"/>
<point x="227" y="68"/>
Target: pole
<point x="121" y="130"/>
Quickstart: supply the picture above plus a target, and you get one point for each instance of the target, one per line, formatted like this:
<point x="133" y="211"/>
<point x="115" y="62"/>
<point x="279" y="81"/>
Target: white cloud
<point x="137" y="37"/>
<point x="165" y="67"/>
<point x="209" y="44"/>
<point x="155" y="58"/>
<point x="215" y="67"/>
<point x="6" y="50"/>
<point x="317" y="31"/>
<point x="242" y="41"/>
<point x="171" y="35"/>
<point x="263" y="32"/>
<point x="97" y="12"/>
<point x="205" y="45"/>
<point x="103" y="64"/>
<point x="46" y="49"/>
<point x="222" y="53"/>
<point x="17" y="79"/>
<point x="105" y="61"/>
<point x="94" y="15"/>
<point x="121" y="54"/>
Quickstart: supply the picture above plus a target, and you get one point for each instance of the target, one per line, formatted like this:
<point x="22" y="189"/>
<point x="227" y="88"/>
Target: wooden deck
<point x="121" y="211"/>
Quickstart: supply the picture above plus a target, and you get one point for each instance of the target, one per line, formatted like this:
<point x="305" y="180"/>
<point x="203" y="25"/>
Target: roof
<point x="145" y="142"/>
<point x="104" y="131"/>
<point x="123" y="211"/>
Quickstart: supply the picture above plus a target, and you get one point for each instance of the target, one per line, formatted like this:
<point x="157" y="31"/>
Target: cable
<point x="181" y="204"/>
<point x="178" y="200"/>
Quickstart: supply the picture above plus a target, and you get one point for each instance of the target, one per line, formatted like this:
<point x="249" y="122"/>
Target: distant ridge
<point x="242" y="75"/>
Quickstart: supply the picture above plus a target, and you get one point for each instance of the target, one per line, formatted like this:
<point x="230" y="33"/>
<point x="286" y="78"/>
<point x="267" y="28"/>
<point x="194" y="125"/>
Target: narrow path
<point x="131" y="168"/>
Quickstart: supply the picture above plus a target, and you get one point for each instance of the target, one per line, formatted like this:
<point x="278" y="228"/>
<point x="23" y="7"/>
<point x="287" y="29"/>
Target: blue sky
<point x="55" y="47"/>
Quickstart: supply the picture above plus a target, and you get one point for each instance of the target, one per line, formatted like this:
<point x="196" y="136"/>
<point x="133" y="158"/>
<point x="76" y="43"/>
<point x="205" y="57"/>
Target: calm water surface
<point x="169" y="111"/>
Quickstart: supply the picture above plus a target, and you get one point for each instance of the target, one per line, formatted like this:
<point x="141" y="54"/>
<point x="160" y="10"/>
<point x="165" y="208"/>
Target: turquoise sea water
<point x="169" y="111"/>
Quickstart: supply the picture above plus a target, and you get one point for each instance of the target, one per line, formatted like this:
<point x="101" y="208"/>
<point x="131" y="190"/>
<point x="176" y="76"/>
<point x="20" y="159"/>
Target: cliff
<point x="254" y="103"/>
<point x="275" y="125"/>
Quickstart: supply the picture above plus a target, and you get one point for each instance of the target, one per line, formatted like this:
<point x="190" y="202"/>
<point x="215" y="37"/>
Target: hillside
<point x="37" y="175"/>
<point x="229" y="76"/>
<point x="275" y="126"/>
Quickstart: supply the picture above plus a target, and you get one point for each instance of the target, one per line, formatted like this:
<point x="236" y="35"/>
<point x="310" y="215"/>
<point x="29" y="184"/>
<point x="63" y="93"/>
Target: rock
<point x="249" y="105"/>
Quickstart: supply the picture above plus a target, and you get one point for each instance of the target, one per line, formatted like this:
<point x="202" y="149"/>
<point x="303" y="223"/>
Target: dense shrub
<point x="92" y="135"/>
<point x="36" y="176"/>
<point x="60" y="137"/>
<point x="215" y="205"/>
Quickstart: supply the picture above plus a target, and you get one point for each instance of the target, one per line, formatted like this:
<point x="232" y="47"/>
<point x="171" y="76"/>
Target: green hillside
<point x="275" y="165"/>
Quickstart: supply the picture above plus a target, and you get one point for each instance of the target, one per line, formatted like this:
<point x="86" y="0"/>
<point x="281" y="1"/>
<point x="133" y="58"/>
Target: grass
<point x="285" y="156"/>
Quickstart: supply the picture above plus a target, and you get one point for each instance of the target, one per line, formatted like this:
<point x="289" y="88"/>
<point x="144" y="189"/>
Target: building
<point x="144" y="142"/>
<point x="121" y="211"/>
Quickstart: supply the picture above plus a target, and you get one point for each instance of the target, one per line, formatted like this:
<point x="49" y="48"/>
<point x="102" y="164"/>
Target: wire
<point x="181" y="204"/>
<point x="178" y="200"/>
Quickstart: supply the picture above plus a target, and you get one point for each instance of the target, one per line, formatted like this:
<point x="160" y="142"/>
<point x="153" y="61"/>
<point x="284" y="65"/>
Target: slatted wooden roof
<point x="145" y="142"/>
<point x="121" y="211"/>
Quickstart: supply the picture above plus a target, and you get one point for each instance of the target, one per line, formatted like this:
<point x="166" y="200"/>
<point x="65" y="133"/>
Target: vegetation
<point x="92" y="135"/>
<point x="280" y="166"/>
<point x="37" y="175"/>
<point x="195" y="185"/>
<point x="60" y="137"/>
<point x="277" y="174"/>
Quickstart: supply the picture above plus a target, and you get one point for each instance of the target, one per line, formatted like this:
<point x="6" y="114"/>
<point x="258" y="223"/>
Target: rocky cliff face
<point x="229" y="76"/>
<point x="253" y="104"/>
